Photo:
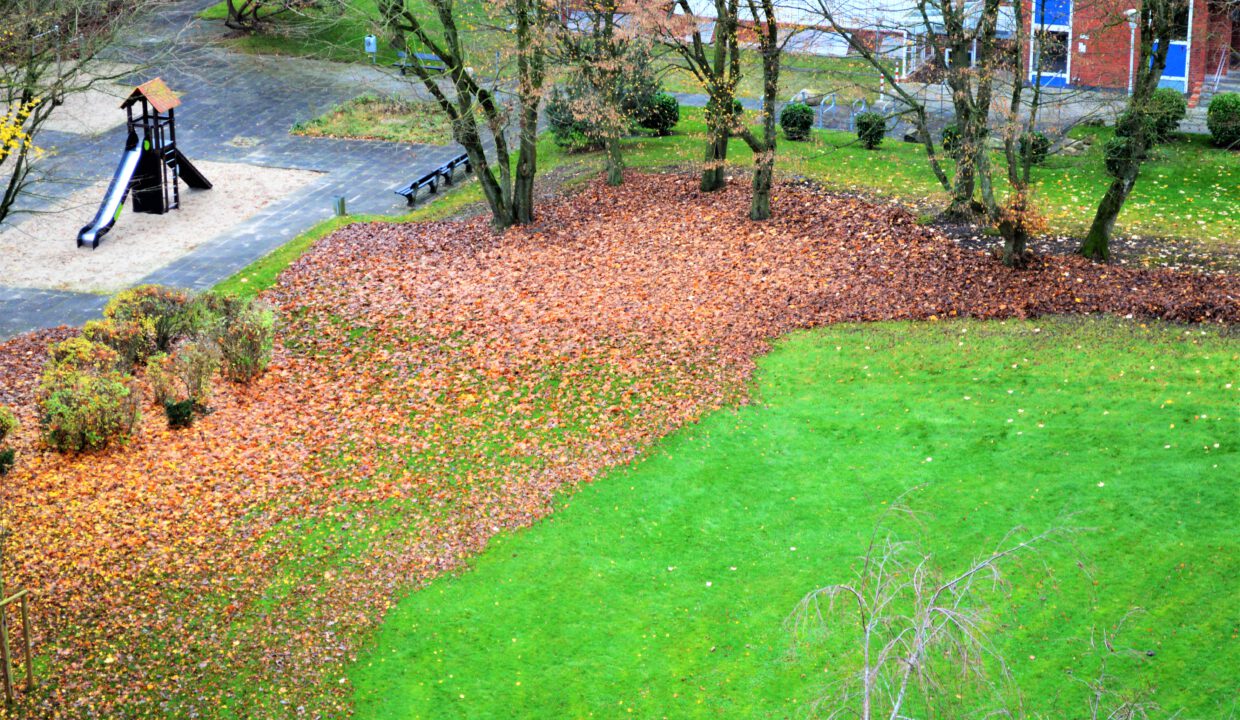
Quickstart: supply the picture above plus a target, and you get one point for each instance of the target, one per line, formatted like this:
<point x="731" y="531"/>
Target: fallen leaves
<point x="438" y="384"/>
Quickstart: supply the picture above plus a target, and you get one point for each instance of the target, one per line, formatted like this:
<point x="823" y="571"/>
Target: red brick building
<point x="1090" y="44"/>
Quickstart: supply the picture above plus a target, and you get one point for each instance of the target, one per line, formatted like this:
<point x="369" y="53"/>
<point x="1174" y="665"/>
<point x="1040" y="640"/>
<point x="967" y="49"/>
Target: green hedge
<point x="1223" y="119"/>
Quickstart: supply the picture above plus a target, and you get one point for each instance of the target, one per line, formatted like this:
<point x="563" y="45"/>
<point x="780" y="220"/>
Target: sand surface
<point x="96" y="109"/>
<point x="42" y="252"/>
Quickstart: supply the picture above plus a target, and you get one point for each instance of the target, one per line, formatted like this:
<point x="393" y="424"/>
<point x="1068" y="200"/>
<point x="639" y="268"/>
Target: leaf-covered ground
<point x="438" y="384"/>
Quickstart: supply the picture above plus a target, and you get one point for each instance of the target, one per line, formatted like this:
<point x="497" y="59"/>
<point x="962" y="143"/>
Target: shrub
<point x="179" y="414"/>
<point x="78" y="353"/>
<point x="1116" y="152"/>
<point x="951" y="138"/>
<point x="133" y="340"/>
<point x="160" y="305"/>
<point x="83" y="410"/>
<point x="246" y="343"/>
<point x="166" y="385"/>
<point x="796" y="119"/>
<point x="185" y="375"/>
<point x="871" y="127"/>
<point x="637" y="86"/>
<point x="1167" y="108"/>
<point x="1223" y="119"/>
<point x="8" y="458"/>
<point x="195" y="364"/>
<point x="220" y="308"/>
<point x="1035" y="147"/>
<point x="205" y="315"/>
<point x="8" y="423"/>
<point x="663" y="114"/>
<point x="569" y="133"/>
<point x="1129" y="122"/>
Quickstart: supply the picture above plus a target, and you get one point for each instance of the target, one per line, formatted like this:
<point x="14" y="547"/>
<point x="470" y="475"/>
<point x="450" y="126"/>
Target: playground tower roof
<point x="159" y="95"/>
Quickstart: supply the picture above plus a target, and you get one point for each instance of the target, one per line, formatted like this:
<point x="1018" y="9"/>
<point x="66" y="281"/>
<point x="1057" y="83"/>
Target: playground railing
<point x="854" y="112"/>
<point x="825" y="109"/>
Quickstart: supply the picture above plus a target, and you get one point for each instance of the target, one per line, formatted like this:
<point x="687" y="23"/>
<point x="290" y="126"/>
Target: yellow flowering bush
<point x="13" y="136"/>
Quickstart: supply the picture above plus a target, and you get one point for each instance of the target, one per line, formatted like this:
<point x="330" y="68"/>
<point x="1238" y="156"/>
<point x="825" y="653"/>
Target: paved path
<point x="237" y="108"/>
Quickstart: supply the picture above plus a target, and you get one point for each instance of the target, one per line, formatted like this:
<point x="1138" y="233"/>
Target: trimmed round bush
<point x="951" y="138"/>
<point x="84" y="410"/>
<point x="662" y="115"/>
<point x="1035" y="146"/>
<point x="8" y="458"/>
<point x="1129" y="122"/>
<point x="796" y="119"/>
<point x="1223" y="119"/>
<point x="871" y="127"/>
<point x="1167" y="108"/>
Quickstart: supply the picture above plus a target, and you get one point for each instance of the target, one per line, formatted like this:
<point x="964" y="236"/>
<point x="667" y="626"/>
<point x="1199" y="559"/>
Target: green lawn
<point x="661" y="590"/>
<point x="338" y="36"/>
<point x="394" y="119"/>
<point x="1188" y="190"/>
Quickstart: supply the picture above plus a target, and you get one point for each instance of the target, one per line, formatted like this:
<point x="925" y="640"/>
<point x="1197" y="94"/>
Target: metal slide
<point x="114" y="200"/>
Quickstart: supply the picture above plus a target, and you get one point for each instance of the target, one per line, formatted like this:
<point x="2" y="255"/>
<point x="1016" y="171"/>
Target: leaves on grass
<point x="438" y="384"/>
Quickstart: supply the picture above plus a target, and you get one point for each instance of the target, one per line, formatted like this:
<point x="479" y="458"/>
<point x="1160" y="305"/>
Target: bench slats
<point x="431" y="179"/>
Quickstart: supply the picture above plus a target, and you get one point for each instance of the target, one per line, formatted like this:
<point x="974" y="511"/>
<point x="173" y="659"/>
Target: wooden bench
<point x="431" y="179"/>
<point x="427" y="61"/>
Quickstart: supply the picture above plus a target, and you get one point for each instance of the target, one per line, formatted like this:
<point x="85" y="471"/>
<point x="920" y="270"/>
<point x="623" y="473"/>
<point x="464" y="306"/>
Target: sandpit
<point x="42" y="251"/>
<point x="96" y="109"/>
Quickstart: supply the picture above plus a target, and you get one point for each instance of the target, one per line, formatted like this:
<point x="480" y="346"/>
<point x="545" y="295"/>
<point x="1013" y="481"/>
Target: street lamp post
<point x="1131" y="13"/>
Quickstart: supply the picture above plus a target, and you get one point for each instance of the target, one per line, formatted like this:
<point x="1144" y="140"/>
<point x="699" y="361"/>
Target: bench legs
<point x="445" y="174"/>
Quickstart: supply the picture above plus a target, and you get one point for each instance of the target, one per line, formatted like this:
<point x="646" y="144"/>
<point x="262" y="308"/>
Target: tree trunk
<point x="713" y="172"/>
<point x="764" y="151"/>
<point x="1014" y="249"/>
<point x="530" y="81"/>
<point x="1155" y="27"/>
<point x="615" y="162"/>
<point x="964" y="182"/>
<point x="1015" y="243"/>
<point x="1097" y="245"/>
<point x="962" y="192"/>
<point x="760" y="205"/>
<point x="527" y="166"/>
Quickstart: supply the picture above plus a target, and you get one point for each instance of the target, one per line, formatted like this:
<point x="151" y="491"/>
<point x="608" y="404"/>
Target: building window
<point x="1051" y="53"/>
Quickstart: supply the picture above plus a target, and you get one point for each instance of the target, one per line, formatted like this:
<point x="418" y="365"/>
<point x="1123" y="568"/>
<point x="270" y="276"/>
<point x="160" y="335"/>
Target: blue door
<point x="1050" y="61"/>
<point x="1175" y="75"/>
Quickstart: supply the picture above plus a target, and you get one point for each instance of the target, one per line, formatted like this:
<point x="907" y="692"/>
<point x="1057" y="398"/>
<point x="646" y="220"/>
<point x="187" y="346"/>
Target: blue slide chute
<point x="114" y="200"/>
